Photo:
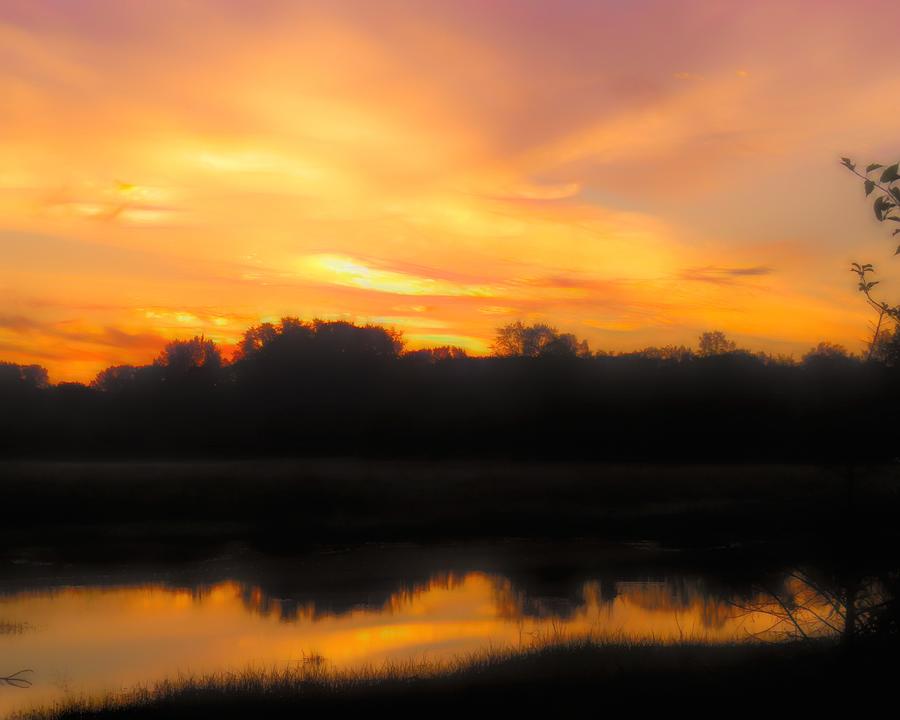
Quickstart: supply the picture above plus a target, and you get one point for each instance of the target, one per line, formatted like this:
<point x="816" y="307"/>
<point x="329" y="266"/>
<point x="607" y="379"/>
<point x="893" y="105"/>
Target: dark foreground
<point x="740" y="523"/>
<point x="582" y="678"/>
<point x="78" y="511"/>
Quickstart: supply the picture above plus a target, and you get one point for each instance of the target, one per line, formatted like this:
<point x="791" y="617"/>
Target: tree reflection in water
<point x="805" y="605"/>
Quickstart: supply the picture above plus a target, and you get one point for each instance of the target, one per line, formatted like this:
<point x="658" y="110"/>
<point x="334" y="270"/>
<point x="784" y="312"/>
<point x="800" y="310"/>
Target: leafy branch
<point x="881" y="307"/>
<point x="885" y="206"/>
<point x="888" y="197"/>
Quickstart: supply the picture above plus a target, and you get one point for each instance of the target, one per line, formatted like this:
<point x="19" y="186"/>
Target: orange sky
<point x="634" y="173"/>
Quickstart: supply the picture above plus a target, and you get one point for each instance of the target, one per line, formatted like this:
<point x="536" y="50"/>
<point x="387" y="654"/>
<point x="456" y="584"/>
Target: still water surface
<point x="107" y="637"/>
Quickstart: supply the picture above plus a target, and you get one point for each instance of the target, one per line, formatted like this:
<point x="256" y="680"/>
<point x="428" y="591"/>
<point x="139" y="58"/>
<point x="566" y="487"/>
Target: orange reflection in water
<point x="89" y="640"/>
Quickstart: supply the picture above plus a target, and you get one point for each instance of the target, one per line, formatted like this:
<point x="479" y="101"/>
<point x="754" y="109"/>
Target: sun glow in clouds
<point x="342" y="270"/>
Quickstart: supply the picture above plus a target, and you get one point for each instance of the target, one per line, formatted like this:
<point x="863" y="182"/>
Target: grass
<point x="8" y="627"/>
<point x="555" y="677"/>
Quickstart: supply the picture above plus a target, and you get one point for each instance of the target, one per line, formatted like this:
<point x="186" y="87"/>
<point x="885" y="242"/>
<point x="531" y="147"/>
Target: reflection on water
<point x="92" y="639"/>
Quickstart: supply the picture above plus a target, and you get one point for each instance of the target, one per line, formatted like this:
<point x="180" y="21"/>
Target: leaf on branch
<point x="891" y="173"/>
<point x="881" y="206"/>
<point x="873" y="166"/>
<point x="870" y="186"/>
<point x="847" y="162"/>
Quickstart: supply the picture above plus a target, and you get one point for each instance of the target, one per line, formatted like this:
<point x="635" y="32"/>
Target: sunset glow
<point x="101" y="639"/>
<point x="633" y="173"/>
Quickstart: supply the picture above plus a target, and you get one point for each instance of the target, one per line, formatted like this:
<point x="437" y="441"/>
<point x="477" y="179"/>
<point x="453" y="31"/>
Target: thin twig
<point x="15" y="680"/>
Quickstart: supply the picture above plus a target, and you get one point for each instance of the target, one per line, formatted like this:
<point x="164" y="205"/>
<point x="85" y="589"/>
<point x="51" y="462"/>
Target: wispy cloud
<point x="724" y="275"/>
<point x="107" y="336"/>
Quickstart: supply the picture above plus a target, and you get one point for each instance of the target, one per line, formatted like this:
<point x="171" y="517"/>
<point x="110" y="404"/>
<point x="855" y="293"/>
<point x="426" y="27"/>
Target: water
<point x="95" y="634"/>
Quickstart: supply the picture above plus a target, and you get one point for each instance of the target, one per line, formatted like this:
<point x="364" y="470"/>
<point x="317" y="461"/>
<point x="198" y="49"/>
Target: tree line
<point x="292" y="344"/>
<point x="337" y="388"/>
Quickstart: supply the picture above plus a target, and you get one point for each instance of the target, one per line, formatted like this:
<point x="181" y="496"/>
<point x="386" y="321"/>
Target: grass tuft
<point x="8" y="627"/>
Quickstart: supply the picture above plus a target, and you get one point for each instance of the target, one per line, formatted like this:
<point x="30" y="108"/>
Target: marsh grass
<point x="520" y="677"/>
<point x="8" y="627"/>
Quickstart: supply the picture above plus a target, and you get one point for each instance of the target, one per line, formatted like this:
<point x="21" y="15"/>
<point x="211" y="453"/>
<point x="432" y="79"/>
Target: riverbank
<point x="563" y="677"/>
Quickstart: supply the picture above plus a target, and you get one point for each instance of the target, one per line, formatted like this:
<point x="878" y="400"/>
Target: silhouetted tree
<point x="667" y="353"/>
<point x="292" y="341"/>
<point x="194" y="359"/>
<point x="115" y="378"/>
<point x="435" y="355"/>
<point x="538" y="340"/>
<point x="827" y="352"/>
<point x="340" y="338"/>
<point x="256" y="338"/>
<point x="31" y="376"/>
<point x="180" y="356"/>
<point x="715" y="343"/>
<point x="567" y="345"/>
<point x="777" y="360"/>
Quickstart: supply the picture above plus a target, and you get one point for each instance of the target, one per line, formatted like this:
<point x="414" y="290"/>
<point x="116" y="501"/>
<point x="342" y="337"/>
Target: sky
<point x="633" y="172"/>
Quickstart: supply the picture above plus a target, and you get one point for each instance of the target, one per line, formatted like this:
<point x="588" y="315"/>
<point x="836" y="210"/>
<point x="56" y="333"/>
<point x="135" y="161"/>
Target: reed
<point x="517" y="676"/>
